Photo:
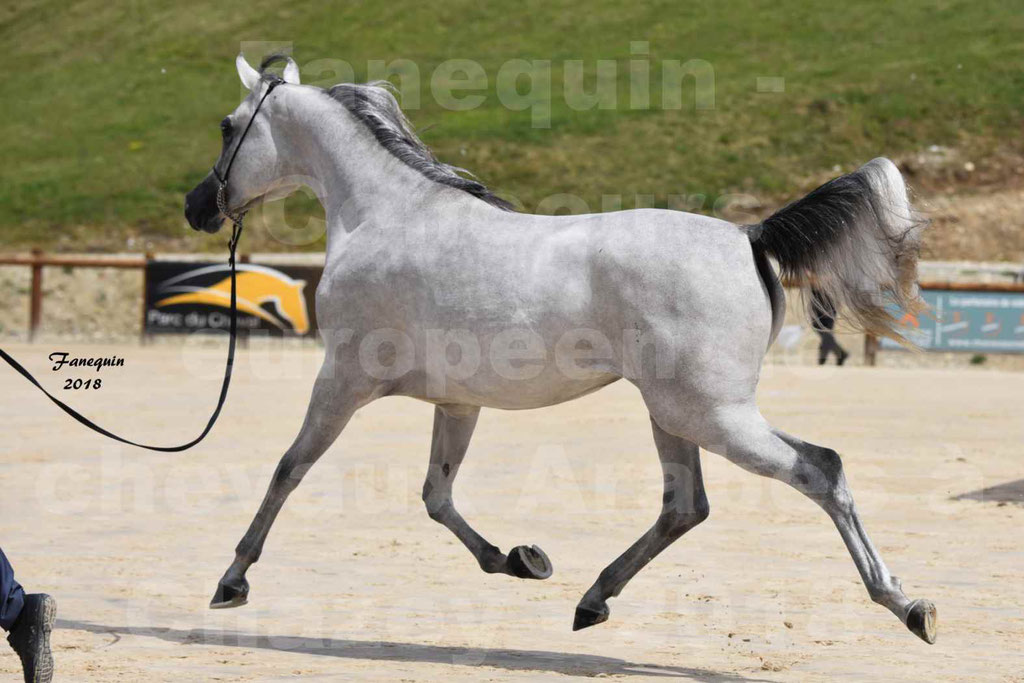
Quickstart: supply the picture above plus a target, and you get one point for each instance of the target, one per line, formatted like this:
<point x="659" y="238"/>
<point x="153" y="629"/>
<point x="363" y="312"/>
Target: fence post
<point x="35" y="304"/>
<point x="870" y="350"/>
<point x="147" y="256"/>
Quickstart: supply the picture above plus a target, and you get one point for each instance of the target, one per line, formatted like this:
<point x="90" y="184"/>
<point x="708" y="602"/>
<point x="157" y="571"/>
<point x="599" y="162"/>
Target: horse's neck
<point x="358" y="182"/>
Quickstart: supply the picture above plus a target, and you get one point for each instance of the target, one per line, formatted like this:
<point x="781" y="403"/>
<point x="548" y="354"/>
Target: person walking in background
<point x="823" y="318"/>
<point x="28" y="619"/>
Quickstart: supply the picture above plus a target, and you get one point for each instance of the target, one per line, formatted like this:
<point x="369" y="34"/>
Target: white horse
<point x="434" y="289"/>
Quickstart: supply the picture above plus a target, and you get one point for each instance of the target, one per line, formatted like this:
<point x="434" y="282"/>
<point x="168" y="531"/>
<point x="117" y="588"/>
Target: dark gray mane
<point x="374" y="104"/>
<point x="376" y="107"/>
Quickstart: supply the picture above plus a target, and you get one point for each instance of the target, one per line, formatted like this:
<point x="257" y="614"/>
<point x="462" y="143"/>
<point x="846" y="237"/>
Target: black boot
<point x="30" y="637"/>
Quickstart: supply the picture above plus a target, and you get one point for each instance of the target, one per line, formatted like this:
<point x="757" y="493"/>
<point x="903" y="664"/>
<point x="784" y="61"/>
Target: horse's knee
<point x="435" y="501"/>
<point x="436" y="512"/>
<point x="289" y="473"/>
<point x="702" y="510"/>
<point x="676" y="520"/>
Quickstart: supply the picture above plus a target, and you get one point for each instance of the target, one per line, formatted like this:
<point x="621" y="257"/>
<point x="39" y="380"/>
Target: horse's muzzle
<point x="201" y="206"/>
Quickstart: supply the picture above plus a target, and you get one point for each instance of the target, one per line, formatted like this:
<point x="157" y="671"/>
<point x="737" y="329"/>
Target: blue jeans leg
<point x="12" y="597"/>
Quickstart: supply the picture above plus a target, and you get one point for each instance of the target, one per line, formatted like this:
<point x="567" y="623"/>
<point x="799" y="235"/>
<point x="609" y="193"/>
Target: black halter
<point x="222" y="190"/>
<point x="236" y="232"/>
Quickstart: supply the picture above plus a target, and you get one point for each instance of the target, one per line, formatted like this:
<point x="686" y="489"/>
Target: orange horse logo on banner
<point x="256" y="287"/>
<point x="910" y="320"/>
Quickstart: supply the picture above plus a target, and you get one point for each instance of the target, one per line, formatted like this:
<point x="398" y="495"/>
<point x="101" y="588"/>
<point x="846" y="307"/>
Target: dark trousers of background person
<point x="824" y="321"/>
<point x="12" y="597"/>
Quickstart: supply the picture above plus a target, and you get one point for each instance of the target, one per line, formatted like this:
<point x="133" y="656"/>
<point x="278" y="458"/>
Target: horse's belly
<point x="489" y="391"/>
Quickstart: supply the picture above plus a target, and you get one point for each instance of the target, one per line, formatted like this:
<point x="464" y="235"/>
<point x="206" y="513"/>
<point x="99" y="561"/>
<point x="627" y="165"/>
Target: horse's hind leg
<point x="684" y="506"/>
<point x="818" y="474"/>
<point x="453" y="428"/>
<point x="742" y="435"/>
<point x="330" y="408"/>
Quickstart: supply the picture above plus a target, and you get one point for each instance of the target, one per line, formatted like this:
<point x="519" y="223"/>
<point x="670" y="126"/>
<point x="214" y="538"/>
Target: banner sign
<point x="984" y="322"/>
<point x="184" y="297"/>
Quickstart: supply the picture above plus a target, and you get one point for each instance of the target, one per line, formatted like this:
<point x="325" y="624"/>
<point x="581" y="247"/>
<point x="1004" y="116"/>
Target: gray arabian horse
<point x="422" y="260"/>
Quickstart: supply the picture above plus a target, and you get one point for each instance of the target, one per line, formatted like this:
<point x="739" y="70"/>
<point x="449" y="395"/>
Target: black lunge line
<point x="236" y="219"/>
<point x="236" y="233"/>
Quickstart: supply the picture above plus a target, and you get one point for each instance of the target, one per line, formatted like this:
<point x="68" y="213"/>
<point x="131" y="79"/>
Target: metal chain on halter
<point x="235" y="218"/>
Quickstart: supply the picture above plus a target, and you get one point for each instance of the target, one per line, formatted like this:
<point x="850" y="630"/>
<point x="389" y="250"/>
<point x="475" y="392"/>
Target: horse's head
<point x="252" y="175"/>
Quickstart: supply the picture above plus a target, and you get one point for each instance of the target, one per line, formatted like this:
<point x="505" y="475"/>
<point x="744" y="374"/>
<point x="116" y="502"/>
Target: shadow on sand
<point x="1010" y="492"/>
<point x="566" y="663"/>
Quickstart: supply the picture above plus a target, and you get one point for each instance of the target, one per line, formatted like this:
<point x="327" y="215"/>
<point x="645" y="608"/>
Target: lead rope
<point x="236" y="219"/>
<point x="236" y="233"/>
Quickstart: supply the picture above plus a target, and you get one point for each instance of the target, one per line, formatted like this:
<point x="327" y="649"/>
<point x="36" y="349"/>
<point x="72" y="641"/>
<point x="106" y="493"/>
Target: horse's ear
<point x="291" y="71"/>
<point x="248" y="75"/>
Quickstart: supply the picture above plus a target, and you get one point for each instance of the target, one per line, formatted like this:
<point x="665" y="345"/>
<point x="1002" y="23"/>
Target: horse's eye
<point x="225" y="127"/>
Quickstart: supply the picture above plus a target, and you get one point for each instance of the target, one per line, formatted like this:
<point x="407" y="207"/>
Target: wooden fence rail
<point x="37" y="260"/>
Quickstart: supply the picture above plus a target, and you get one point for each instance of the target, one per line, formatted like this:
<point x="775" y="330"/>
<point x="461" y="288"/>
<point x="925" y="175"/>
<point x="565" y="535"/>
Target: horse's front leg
<point x="453" y="428"/>
<point x="332" y="404"/>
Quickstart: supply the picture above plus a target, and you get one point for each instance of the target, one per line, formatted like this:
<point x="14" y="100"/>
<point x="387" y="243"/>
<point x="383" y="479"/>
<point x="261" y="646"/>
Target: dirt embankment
<point x="976" y="206"/>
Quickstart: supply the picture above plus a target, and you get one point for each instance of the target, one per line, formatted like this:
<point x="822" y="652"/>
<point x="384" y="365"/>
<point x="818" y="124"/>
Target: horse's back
<point x="658" y="264"/>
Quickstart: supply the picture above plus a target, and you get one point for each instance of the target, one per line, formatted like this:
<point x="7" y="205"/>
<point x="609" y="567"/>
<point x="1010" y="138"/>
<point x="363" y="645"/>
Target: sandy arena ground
<point x="357" y="583"/>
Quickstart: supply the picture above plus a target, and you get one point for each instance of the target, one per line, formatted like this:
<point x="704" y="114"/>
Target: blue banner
<point x="984" y="322"/>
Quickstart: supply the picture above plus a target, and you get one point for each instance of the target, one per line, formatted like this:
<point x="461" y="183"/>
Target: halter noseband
<point x="236" y="218"/>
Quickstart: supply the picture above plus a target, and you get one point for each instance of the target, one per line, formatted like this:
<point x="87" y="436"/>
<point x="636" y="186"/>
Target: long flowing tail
<point x="856" y="240"/>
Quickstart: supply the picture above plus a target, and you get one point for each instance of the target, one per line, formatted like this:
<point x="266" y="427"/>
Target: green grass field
<point x="110" y="109"/>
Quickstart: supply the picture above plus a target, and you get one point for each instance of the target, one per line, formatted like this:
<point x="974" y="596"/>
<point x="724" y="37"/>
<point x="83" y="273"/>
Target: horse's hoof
<point x="586" y="616"/>
<point x="529" y="563"/>
<point x="230" y="596"/>
<point x="922" y="620"/>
